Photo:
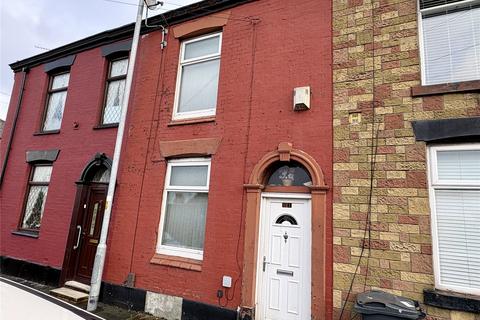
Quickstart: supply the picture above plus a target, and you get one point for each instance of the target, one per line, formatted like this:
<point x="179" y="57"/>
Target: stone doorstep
<point x="69" y="295"/>
<point x="75" y="285"/>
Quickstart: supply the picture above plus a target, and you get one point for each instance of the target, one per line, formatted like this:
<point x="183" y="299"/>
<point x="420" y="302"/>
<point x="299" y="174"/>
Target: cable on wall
<point x="160" y="98"/>
<point x="254" y="23"/>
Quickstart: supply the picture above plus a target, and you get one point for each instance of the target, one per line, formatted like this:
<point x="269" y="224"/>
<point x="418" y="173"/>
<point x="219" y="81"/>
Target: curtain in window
<point x="451" y="41"/>
<point x="56" y="105"/>
<point x="184" y="225"/>
<point x="113" y="105"/>
<point x="458" y="225"/>
<point x="199" y="86"/>
<point x="461" y="165"/>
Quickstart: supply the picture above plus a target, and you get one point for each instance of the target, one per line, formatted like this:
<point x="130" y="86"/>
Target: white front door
<point x="284" y="262"/>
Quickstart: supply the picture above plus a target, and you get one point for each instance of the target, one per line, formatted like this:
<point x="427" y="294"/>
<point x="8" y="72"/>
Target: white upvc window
<point x="197" y="80"/>
<point x="454" y="186"/>
<point x="449" y="40"/>
<point x="184" y="208"/>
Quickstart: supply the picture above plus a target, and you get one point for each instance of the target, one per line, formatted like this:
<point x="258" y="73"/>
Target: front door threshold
<point x="75" y="285"/>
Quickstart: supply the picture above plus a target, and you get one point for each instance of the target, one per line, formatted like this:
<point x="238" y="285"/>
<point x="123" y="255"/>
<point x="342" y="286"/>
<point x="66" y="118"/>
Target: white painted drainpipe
<point x="102" y="245"/>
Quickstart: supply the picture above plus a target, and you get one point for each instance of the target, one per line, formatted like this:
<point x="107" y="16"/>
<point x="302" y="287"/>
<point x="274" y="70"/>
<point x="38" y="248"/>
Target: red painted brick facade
<point x="290" y="45"/>
<point x="77" y="147"/>
<point x="269" y="47"/>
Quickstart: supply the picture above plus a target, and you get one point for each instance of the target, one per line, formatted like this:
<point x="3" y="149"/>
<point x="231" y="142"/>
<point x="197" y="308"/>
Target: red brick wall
<point x="77" y="147"/>
<point x="293" y="48"/>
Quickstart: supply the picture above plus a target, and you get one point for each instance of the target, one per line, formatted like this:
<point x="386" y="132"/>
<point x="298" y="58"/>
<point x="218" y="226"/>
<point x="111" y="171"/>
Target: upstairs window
<point x="455" y="204"/>
<point x="198" y="74"/>
<point x="36" y="197"/>
<point x="57" y="94"/>
<point x="184" y="211"/>
<point x="450" y="32"/>
<point x="115" y="90"/>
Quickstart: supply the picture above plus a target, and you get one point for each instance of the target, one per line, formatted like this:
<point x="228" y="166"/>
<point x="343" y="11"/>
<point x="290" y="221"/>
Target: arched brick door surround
<point x="285" y="153"/>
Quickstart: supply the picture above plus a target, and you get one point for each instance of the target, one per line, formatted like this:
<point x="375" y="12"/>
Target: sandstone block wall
<point x="376" y="62"/>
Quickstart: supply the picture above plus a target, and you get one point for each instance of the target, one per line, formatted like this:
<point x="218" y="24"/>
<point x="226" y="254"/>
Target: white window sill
<point x="182" y="253"/>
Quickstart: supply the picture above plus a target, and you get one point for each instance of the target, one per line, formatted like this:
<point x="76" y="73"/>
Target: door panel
<point x="284" y="292"/>
<point x="90" y="234"/>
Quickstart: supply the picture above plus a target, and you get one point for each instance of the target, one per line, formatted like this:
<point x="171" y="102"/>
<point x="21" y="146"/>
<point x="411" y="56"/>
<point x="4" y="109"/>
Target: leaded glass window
<point x="117" y="74"/>
<point x="57" y="95"/>
<point x="36" y="197"/>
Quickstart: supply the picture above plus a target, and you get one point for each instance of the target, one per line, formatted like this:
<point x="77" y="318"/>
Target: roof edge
<point x="190" y="12"/>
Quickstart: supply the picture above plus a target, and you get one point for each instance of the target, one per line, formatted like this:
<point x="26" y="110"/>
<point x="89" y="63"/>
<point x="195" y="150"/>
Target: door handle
<point x="79" y="228"/>
<point x="264" y="263"/>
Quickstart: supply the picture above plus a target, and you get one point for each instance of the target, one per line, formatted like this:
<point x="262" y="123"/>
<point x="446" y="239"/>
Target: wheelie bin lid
<point x="384" y="303"/>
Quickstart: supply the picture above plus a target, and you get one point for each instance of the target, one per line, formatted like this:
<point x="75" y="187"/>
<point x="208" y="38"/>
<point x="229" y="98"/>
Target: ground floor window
<point x="454" y="181"/>
<point x="184" y="208"/>
<point x="36" y="197"/>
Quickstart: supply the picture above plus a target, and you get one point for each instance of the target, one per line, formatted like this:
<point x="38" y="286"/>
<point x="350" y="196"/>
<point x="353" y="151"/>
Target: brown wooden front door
<point x="88" y="231"/>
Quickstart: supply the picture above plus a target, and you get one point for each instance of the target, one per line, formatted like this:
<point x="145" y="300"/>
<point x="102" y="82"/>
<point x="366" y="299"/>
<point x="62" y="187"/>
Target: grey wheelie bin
<point x="379" y="305"/>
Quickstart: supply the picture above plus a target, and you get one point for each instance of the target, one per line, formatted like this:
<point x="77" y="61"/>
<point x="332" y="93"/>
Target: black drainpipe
<point x="14" y="124"/>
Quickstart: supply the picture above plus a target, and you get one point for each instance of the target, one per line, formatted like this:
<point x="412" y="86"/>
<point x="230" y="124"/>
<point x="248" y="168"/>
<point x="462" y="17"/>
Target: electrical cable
<point x="160" y="75"/>
<point x="215" y="15"/>
<point x="250" y="99"/>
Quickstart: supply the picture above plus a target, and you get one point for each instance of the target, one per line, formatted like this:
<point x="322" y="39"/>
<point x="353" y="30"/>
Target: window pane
<point x="56" y="104"/>
<point x="113" y="104"/>
<point x="60" y="81"/>
<point x="185" y="215"/>
<point x="42" y="174"/>
<point x="34" y="207"/>
<point x="198" y="90"/>
<point x="433" y="3"/>
<point x="458" y="222"/>
<point x="293" y="174"/>
<point x="189" y="176"/>
<point x="102" y="175"/>
<point x="119" y="68"/>
<point x="461" y="165"/>
<point x="202" y="48"/>
<point x="451" y="46"/>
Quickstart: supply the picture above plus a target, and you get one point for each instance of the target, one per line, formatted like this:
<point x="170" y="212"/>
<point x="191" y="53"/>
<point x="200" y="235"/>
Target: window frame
<point x="108" y="80"/>
<point x="434" y="183"/>
<point x="186" y="162"/>
<point x="29" y="185"/>
<point x="421" y="43"/>
<point x="50" y="92"/>
<point x="185" y="62"/>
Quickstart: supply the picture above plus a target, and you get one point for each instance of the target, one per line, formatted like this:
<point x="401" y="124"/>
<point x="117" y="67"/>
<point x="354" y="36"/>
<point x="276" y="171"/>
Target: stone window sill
<point x="457" y="87"/>
<point x="451" y="301"/>
<point x="43" y="133"/>
<point x="191" y="121"/>
<point x="26" y="233"/>
<point x="177" y="262"/>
